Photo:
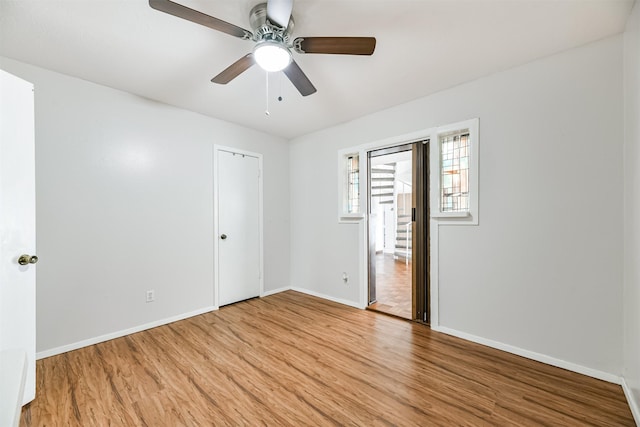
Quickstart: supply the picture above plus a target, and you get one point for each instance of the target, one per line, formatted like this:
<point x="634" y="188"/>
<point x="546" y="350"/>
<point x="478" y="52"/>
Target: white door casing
<point x="17" y="225"/>
<point x="237" y="225"/>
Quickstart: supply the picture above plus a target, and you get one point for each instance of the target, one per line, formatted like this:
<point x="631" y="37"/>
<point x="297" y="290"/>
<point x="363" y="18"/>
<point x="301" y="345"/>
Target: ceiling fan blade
<point x="279" y="11"/>
<point x="299" y="79"/>
<point x="175" y="9"/>
<point x="335" y="45"/>
<point x="234" y="70"/>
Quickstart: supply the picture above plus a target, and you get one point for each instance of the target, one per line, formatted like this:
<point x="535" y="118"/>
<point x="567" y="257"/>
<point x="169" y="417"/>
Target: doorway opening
<point x="398" y="231"/>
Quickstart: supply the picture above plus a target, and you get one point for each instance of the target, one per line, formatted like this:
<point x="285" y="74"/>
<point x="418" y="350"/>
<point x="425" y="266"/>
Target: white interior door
<point x="17" y="236"/>
<point x="239" y="234"/>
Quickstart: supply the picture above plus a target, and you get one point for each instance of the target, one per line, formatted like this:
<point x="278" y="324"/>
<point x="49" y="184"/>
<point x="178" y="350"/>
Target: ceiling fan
<point x="272" y="26"/>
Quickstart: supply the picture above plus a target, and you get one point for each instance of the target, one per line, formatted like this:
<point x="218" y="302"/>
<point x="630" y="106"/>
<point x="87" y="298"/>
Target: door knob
<point x="223" y="236"/>
<point x="27" y="259"/>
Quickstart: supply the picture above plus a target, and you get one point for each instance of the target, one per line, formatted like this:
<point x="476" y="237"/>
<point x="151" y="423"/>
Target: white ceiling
<point x="423" y="46"/>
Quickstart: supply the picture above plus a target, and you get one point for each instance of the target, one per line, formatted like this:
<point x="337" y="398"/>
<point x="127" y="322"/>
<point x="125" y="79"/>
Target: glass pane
<point x="454" y="173"/>
<point x="353" y="184"/>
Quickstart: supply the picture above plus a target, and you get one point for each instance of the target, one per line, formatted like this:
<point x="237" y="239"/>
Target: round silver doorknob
<point x="27" y="259"/>
<point x="223" y="236"/>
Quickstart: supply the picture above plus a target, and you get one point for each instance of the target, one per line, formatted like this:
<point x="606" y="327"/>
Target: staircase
<point x="382" y="180"/>
<point x="383" y="188"/>
<point x="403" y="226"/>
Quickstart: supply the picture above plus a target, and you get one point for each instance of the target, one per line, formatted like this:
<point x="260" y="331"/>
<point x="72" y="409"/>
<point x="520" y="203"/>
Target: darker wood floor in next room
<point x="393" y="286"/>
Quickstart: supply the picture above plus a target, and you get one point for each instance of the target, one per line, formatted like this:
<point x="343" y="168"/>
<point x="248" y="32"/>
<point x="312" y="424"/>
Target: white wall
<point x="543" y="269"/>
<point x="631" y="352"/>
<point x="124" y="204"/>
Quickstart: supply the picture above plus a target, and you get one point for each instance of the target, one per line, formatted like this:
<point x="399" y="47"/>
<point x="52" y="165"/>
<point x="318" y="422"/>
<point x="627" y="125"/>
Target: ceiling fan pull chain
<point x="266" y="111"/>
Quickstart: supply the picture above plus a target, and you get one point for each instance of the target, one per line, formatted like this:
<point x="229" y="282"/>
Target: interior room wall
<point x="542" y="271"/>
<point x="631" y="352"/>
<point x="125" y="205"/>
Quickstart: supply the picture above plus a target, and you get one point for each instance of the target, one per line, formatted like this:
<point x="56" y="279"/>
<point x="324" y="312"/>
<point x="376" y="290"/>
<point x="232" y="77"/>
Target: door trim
<point x="420" y="253"/>
<point x="420" y="268"/>
<point x="216" y="242"/>
<point x="431" y="245"/>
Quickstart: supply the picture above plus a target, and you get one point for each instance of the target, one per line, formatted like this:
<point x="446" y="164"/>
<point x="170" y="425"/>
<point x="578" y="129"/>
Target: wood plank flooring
<point x="292" y="359"/>
<point x="393" y="286"/>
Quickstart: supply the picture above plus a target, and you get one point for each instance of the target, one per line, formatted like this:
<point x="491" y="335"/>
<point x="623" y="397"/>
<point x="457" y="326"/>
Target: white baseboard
<point x="118" y="334"/>
<point x="635" y="410"/>
<point x="327" y="297"/>
<point x="594" y="373"/>
<point x="275" y="291"/>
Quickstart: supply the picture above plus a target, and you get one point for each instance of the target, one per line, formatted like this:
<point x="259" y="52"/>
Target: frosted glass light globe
<point x="272" y="56"/>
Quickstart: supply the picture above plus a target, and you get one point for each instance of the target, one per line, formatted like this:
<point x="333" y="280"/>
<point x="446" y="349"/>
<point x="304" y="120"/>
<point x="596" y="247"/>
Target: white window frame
<point x="469" y="217"/>
<point x="343" y="193"/>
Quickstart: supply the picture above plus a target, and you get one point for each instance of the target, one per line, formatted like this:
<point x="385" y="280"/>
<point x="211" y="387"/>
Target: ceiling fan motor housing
<point x="264" y="29"/>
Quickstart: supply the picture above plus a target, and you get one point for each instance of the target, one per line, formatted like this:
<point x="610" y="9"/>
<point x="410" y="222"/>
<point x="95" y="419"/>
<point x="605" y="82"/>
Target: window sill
<point x="350" y="218"/>
<point x="451" y="215"/>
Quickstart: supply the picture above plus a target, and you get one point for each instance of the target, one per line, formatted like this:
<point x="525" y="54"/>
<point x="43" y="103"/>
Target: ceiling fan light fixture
<point x="272" y="56"/>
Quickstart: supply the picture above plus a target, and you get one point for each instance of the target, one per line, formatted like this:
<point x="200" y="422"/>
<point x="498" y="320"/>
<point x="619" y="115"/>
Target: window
<point x="350" y="186"/>
<point x="454" y="172"/>
<point x="454" y="166"/>
<point x="353" y="183"/>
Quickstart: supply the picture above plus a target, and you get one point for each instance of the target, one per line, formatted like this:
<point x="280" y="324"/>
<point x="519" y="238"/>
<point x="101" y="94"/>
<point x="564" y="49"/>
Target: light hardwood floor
<point x="292" y="359"/>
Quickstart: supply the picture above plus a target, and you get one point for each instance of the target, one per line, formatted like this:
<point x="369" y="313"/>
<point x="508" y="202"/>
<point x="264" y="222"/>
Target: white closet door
<point x="238" y="227"/>
<point x="17" y="238"/>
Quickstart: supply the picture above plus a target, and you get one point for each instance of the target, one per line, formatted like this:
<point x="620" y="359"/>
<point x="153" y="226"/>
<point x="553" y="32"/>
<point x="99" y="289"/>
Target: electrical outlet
<point x="345" y="278"/>
<point x="151" y="295"/>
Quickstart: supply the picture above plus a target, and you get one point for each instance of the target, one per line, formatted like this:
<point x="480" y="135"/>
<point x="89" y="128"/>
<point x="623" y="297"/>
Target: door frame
<point x="420" y="201"/>
<point x="371" y="255"/>
<point x="420" y="266"/>
<point x="431" y="245"/>
<point x="216" y="211"/>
